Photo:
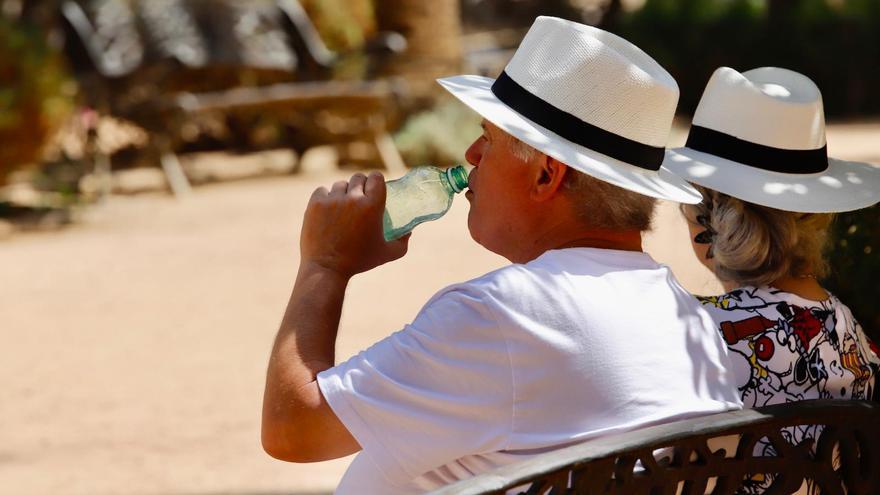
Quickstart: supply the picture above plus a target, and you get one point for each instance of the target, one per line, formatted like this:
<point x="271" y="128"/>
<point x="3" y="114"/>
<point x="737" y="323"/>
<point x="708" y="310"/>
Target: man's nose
<point x="474" y="153"/>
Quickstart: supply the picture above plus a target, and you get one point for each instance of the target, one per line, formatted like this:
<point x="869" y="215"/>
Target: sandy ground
<point x="135" y="342"/>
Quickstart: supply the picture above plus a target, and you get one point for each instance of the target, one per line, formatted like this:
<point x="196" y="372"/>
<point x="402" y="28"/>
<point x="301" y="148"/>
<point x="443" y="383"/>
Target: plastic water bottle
<point x="422" y="195"/>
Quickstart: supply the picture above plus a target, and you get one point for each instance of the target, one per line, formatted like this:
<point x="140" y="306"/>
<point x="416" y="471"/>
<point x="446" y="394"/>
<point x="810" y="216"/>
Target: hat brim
<point x="843" y="186"/>
<point x="476" y="93"/>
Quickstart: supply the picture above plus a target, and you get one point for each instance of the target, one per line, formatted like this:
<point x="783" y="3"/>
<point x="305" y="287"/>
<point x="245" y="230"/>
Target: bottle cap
<point x="458" y="177"/>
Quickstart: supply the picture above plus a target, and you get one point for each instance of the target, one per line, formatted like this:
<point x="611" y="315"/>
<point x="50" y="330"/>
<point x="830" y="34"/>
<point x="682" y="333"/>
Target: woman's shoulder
<point x="755" y="298"/>
<point x="744" y="298"/>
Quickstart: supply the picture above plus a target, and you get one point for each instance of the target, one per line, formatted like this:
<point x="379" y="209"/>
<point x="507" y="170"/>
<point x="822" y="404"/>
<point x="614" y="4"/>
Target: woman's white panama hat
<point x="588" y="98"/>
<point x="760" y="136"/>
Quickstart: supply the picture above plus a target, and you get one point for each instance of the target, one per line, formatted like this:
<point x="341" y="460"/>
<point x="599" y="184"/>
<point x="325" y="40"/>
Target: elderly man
<point x="581" y="336"/>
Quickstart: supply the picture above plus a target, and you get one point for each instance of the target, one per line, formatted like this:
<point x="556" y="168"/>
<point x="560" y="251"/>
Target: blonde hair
<point x="756" y="245"/>
<point x="597" y="203"/>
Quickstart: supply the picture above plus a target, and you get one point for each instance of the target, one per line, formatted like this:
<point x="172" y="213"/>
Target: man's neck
<point x="622" y="241"/>
<point x="562" y="236"/>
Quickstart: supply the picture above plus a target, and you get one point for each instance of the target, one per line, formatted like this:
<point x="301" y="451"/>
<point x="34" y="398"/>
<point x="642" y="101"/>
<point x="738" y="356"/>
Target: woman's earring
<point x="707" y="236"/>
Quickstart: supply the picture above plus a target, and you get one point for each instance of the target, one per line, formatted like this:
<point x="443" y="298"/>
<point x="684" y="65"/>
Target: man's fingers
<point x="375" y="187"/>
<point x="339" y="188"/>
<point x="320" y="192"/>
<point x="356" y="185"/>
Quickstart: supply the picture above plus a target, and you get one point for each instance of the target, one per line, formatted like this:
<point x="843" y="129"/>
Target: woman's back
<point x="787" y="348"/>
<point x="757" y="153"/>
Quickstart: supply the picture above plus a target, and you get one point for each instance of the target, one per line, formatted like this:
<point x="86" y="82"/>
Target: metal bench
<point x="166" y="64"/>
<point x="712" y="454"/>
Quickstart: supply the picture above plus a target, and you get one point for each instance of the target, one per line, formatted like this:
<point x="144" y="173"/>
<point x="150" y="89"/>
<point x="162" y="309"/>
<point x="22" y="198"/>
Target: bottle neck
<point x="457" y="178"/>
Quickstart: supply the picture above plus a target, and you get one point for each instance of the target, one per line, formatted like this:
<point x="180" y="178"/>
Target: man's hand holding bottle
<point x="342" y="228"/>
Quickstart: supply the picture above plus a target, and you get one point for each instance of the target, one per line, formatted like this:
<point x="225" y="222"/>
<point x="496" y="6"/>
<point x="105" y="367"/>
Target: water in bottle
<point x="422" y="195"/>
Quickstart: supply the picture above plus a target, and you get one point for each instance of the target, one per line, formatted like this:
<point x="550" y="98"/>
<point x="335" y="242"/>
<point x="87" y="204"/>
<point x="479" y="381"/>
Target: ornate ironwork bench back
<point x="712" y="454"/>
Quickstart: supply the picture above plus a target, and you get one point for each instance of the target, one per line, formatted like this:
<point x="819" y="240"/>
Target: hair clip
<point x="706" y="236"/>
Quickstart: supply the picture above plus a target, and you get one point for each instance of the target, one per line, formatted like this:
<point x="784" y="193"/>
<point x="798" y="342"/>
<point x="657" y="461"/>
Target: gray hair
<point x="756" y="245"/>
<point x="597" y="203"/>
<point x="519" y="149"/>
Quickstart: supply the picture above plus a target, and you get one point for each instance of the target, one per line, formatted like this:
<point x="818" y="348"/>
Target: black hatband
<point x="574" y="129"/>
<point x="757" y="155"/>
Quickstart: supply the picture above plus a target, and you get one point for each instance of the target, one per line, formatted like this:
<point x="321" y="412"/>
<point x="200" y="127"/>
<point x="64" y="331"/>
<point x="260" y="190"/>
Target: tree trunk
<point x="433" y="33"/>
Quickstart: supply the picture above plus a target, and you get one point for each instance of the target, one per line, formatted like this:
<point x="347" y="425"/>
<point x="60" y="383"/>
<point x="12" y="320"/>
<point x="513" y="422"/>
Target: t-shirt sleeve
<point x="439" y="389"/>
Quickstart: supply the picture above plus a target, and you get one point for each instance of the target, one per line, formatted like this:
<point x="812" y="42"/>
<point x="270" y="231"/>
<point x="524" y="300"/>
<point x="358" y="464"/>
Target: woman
<point x="789" y="338"/>
<point x="756" y="151"/>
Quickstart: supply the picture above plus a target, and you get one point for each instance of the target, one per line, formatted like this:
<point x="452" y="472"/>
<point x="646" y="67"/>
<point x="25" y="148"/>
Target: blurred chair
<point x="165" y="64"/>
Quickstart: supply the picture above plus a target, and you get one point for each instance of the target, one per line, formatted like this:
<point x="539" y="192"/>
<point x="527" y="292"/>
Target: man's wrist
<point x="311" y="268"/>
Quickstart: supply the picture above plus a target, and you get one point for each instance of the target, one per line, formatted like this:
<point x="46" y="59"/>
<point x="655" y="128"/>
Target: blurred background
<point x="156" y="157"/>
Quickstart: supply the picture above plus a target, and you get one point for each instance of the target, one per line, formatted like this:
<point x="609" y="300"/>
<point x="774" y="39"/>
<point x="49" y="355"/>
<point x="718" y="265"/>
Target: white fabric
<point x="844" y="186"/>
<point x="475" y="92"/>
<point x="601" y="79"/>
<point x="781" y="109"/>
<point x="576" y="344"/>
<point x="598" y="77"/>
<point x="751" y="105"/>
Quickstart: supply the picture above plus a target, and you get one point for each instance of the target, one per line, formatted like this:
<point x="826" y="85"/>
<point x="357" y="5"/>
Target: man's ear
<point x="548" y="178"/>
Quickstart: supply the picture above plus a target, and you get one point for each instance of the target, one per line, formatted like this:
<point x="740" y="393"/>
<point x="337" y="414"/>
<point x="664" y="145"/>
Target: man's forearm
<point x="305" y="344"/>
<point x="341" y="236"/>
<point x="298" y="425"/>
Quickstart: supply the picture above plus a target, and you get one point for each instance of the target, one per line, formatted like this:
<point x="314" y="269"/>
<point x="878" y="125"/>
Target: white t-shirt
<point x="576" y="344"/>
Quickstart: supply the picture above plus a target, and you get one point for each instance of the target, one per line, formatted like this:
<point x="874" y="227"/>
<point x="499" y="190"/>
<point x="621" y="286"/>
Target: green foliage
<point x="438" y="136"/>
<point x="35" y="95"/>
<point x="855" y="265"/>
<point x="837" y="44"/>
<point x="344" y="25"/>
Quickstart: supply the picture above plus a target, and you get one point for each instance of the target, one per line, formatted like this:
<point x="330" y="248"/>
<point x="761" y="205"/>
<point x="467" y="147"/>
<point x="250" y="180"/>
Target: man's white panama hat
<point x="588" y="98"/>
<point x="760" y="136"/>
